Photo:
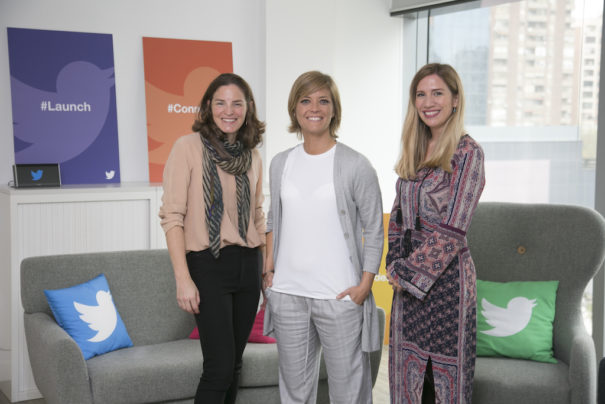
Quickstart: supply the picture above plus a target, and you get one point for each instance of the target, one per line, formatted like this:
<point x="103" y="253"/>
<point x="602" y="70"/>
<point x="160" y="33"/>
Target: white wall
<point x="360" y="46"/>
<point x="241" y="22"/>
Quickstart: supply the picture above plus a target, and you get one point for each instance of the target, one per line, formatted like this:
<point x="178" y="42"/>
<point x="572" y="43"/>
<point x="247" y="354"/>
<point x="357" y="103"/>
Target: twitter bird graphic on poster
<point x="109" y="174"/>
<point x="162" y="127"/>
<point x="102" y="318"/>
<point x="36" y="175"/>
<point x="510" y="320"/>
<point x="46" y="135"/>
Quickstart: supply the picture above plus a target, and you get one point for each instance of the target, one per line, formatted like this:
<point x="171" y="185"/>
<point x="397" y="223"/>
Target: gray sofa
<point x="532" y="242"/>
<point x="162" y="366"/>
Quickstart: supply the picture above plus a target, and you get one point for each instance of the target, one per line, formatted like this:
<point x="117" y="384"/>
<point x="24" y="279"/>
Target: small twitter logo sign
<point x="37" y="175"/>
<point x="110" y="174"/>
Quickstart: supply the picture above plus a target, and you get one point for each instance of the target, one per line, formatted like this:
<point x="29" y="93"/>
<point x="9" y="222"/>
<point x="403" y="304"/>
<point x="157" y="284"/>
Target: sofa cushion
<point x="88" y="314"/>
<point x="148" y="373"/>
<point x="261" y="365"/>
<point x="515" y="319"/>
<point x="169" y="371"/>
<point x="505" y="381"/>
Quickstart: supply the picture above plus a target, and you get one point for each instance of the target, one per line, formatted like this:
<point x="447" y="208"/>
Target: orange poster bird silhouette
<point x="177" y="72"/>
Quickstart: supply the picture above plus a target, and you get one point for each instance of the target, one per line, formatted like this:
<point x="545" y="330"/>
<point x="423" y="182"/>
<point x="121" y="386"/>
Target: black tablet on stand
<point x="36" y="175"/>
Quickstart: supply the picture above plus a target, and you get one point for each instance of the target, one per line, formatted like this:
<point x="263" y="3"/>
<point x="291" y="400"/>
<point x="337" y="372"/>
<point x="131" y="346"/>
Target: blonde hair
<point x="308" y="83"/>
<point x="415" y="135"/>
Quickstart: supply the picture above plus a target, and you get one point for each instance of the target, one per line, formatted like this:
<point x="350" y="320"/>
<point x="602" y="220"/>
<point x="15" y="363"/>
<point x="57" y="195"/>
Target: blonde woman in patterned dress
<point x="441" y="176"/>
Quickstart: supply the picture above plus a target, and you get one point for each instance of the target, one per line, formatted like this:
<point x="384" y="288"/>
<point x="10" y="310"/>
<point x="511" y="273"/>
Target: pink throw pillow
<point x="195" y="334"/>
<point x="256" y="335"/>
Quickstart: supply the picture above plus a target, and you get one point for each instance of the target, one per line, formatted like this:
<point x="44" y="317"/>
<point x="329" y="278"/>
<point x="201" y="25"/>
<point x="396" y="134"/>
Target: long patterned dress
<point x="434" y="317"/>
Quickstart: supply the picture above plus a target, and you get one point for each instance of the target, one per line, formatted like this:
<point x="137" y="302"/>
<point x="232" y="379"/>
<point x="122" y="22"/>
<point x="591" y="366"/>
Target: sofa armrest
<point x="582" y="370"/>
<point x="58" y="366"/>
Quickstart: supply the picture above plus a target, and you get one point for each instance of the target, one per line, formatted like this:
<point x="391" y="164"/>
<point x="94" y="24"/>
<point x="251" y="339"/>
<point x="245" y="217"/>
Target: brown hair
<point x="250" y="134"/>
<point x="308" y="83"/>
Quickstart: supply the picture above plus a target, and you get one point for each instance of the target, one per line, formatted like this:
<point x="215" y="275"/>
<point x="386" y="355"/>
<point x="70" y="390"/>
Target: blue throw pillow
<point x="87" y="313"/>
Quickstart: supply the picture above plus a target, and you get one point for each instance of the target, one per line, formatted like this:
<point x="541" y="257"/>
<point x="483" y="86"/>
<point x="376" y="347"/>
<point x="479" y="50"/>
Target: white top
<point x="313" y="259"/>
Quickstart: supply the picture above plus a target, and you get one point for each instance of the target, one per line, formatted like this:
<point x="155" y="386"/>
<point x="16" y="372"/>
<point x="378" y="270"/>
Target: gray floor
<point x="381" y="388"/>
<point x="4" y="400"/>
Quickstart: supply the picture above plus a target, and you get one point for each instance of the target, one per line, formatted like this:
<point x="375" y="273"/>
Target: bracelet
<point x="266" y="273"/>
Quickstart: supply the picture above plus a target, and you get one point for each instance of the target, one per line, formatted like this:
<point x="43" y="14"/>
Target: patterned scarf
<point x="238" y="166"/>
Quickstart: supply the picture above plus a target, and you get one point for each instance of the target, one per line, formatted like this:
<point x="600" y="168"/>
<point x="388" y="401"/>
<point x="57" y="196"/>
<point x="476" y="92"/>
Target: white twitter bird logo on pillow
<point x="510" y="320"/>
<point x="102" y="318"/>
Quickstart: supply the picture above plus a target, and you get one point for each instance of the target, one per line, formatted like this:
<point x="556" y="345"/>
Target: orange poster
<point x="177" y="72"/>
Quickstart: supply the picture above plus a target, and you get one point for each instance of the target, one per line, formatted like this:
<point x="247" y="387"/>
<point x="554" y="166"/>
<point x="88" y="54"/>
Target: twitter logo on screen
<point x="37" y="175"/>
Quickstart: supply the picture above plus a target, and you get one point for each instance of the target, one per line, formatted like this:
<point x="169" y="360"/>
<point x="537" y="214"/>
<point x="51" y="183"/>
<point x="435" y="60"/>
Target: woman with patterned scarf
<point x="215" y="229"/>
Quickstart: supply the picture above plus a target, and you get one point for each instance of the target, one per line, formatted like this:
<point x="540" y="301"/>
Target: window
<point x="531" y="92"/>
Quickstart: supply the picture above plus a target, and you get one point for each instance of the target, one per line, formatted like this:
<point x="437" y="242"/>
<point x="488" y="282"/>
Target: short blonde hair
<point x="308" y="83"/>
<point x="415" y="135"/>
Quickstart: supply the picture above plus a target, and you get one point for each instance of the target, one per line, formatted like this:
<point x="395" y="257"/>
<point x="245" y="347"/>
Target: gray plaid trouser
<point x="303" y="328"/>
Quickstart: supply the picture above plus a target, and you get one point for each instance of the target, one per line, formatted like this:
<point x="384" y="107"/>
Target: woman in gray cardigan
<point x="324" y="247"/>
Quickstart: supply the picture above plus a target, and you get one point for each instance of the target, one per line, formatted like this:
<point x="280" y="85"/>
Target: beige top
<point x="183" y="199"/>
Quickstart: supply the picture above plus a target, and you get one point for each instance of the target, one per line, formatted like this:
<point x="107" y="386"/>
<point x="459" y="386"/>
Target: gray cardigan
<point x="359" y="204"/>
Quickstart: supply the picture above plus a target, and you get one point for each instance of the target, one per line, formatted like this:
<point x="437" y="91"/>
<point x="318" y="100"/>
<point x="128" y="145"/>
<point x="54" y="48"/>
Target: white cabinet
<point x="70" y="219"/>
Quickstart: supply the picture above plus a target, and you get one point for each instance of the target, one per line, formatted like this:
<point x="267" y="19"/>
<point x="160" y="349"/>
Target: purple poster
<point x="64" y="103"/>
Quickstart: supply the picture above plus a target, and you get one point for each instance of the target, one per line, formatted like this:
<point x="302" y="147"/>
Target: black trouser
<point x="229" y="292"/>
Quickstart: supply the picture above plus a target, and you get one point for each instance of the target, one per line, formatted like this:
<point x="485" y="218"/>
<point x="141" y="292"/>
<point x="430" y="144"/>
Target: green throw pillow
<point x="515" y="319"/>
